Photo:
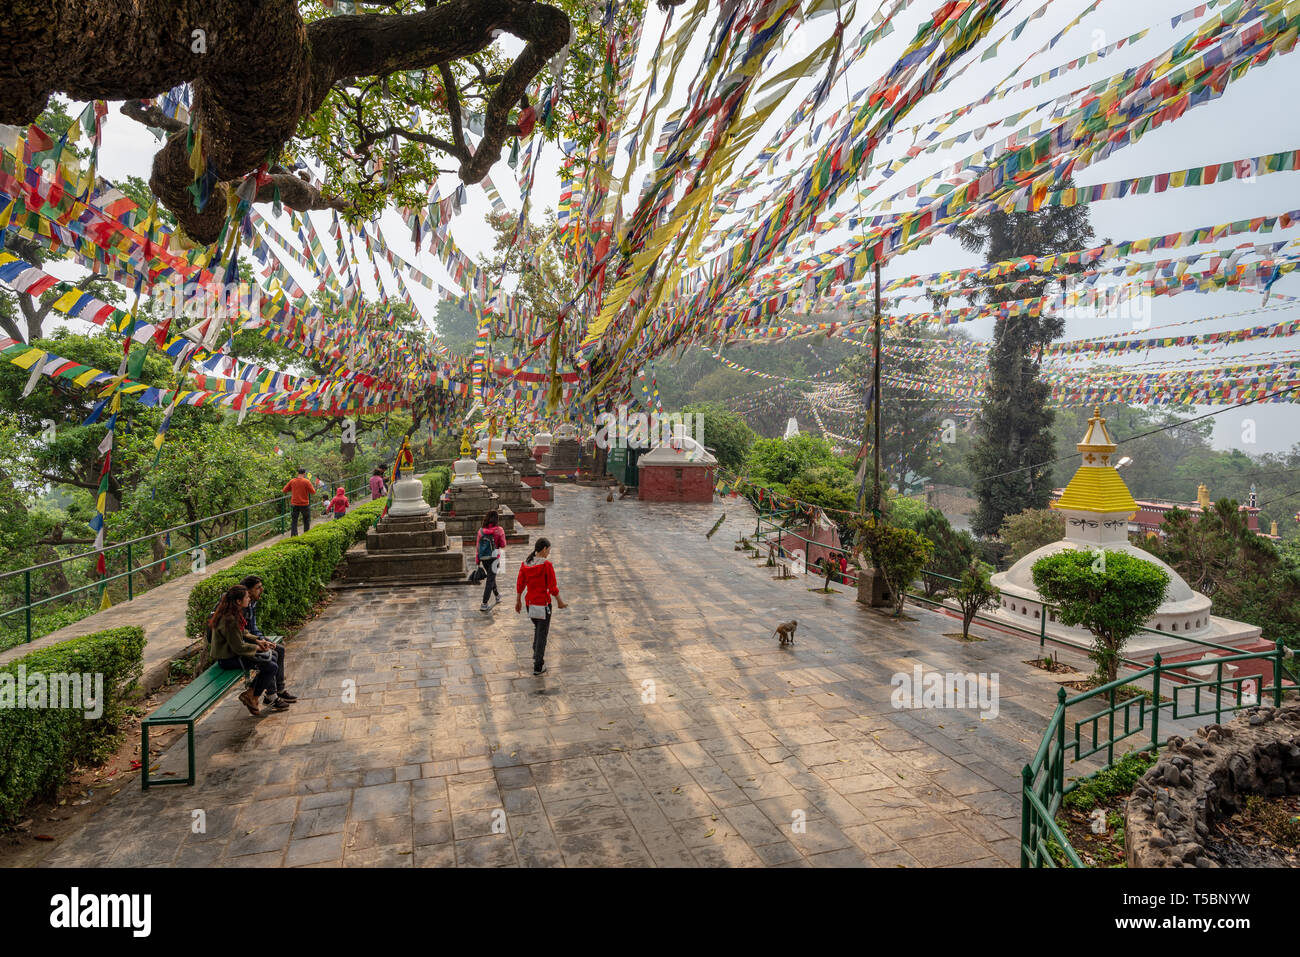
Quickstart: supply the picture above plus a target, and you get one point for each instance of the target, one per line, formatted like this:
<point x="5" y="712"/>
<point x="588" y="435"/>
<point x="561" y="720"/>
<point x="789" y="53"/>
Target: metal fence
<point x="135" y="566"/>
<point x="1042" y="842"/>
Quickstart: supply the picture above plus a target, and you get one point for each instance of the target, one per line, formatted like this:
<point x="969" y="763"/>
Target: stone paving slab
<point x="670" y="731"/>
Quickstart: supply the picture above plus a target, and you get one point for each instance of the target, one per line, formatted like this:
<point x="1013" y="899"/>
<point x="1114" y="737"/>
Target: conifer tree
<point x="1013" y="430"/>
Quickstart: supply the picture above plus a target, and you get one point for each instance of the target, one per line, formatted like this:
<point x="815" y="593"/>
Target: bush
<point x="1111" y="594"/>
<point x="974" y="593"/>
<point x="436" y="481"/>
<point x="40" y="748"/>
<point x="294" y="572"/>
<point x="900" y="554"/>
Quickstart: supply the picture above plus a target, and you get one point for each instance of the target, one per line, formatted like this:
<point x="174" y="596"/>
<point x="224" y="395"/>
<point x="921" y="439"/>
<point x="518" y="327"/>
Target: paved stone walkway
<point x="671" y="729"/>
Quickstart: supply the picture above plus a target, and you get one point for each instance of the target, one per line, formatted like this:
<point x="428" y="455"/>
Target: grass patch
<point x="1092" y="815"/>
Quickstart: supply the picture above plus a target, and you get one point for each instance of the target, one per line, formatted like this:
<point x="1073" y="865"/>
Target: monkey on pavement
<point x="786" y="631"/>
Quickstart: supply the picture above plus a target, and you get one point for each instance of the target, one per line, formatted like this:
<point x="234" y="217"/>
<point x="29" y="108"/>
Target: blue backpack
<point x="486" y="546"/>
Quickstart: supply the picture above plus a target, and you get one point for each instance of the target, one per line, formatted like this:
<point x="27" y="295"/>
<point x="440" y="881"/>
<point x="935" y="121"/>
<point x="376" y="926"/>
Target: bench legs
<point x="145" y="783"/>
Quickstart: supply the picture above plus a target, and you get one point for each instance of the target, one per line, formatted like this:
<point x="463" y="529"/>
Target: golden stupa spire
<point x="1097" y="486"/>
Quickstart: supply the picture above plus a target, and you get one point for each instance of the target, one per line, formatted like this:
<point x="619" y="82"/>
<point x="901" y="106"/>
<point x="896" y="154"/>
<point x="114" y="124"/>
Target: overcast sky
<point x="1251" y="118"/>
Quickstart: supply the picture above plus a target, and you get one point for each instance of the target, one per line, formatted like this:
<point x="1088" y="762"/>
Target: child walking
<point x="537" y="584"/>
<point x="339" y="504"/>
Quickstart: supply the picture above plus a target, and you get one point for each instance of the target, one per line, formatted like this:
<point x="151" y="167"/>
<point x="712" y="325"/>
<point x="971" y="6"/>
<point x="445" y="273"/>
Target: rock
<point x="1169" y="815"/>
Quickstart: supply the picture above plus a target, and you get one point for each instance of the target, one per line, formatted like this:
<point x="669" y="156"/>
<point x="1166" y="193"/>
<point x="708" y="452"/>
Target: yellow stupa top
<point x="1096" y="486"/>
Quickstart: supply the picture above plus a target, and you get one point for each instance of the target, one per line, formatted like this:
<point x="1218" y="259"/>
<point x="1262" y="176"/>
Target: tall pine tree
<point x="1013" y="429"/>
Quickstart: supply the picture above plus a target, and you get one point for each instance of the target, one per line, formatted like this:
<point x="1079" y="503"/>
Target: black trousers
<point x="489" y="583"/>
<point x="268" y="672"/>
<point x="278" y="651"/>
<point x="541" y="627"/>
<point x="305" y="512"/>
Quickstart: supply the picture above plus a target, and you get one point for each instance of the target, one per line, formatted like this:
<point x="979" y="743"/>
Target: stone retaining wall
<point x="1204" y="779"/>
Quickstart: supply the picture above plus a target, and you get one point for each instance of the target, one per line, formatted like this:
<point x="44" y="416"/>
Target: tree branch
<point x="460" y="150"/>
<point x="259" y="71"/>
<point x="64" y="480"/>
<point x="152" y="115"/>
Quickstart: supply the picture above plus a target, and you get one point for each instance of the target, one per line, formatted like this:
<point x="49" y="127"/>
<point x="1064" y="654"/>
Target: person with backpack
<point x="339" y="503"/>
<point x="232" y="646"/>
<point x="537" y="584"/>
<point x="377" y="487"/>
<point x="490" y="551"/>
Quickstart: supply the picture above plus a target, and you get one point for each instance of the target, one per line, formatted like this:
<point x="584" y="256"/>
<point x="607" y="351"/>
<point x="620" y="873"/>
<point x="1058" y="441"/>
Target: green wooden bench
<point x="185" y="707"/>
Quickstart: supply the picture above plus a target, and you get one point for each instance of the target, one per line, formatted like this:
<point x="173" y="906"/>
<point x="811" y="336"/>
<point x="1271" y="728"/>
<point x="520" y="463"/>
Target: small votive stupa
<point x="469" y="498"/>
<point x="1097" y="506"/>
<point x="521" y="459"/>
<point x="505" y="481"/>
<point x="408" y="546"/>
<point x="561" y="460"/>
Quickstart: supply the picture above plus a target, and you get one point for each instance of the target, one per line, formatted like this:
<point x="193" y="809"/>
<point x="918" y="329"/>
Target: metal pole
<point x="875" y="491"/>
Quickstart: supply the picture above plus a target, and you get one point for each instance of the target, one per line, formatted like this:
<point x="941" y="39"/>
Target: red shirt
<point x="300" y="491"/>
<point x="538" y="582"/>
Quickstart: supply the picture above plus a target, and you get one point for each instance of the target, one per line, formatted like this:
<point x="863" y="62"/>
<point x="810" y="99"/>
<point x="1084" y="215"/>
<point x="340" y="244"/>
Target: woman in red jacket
<point x="537" y="583"/>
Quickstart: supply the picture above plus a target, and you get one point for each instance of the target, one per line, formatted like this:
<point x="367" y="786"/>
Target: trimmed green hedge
<point x="294" y="572"/>
<point x="41" y="747"/>
<point x="435" y="482"/>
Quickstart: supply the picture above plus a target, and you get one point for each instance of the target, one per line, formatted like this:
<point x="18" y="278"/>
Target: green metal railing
<point x="787" y="544"/>
<point x="235" y="529"/>
<point x="1043" y="786"/>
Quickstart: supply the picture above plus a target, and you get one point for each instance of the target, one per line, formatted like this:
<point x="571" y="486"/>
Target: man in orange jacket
<point x="300" y="492"/>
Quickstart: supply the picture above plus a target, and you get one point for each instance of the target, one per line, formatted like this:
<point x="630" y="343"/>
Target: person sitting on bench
<point x="255" y="590"/>
<point x="233" y="647"/>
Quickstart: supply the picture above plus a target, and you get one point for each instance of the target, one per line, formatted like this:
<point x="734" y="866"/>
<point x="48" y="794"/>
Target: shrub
<point x="1110" y="783"/>
<point x="1112" y="594"/>
<point x="294" y="572"/>
<point x="973" y="593"/>
<point x="41" y="747"/>
<point x="900" y="554"/>
<point x="436" y="481"/>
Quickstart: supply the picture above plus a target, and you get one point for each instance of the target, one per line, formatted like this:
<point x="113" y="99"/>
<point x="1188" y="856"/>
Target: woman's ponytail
<point x="540" y="544"/>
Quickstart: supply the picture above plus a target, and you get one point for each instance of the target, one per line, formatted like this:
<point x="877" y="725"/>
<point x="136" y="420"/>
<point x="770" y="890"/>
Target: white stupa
<point x="1097" y="506"/>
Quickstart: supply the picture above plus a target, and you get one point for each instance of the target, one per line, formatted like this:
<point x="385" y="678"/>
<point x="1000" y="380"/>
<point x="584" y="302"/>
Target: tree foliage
<point x="725" y="433"/>
<point x="1033" y="528"/>
<point x="1111" y="594"/>
<point x="1014" y="442"/>
<point x="1245" y="576"/>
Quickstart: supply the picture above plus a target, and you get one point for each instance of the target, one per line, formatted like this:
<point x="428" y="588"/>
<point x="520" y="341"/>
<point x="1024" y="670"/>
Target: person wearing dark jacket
<point x="255" y="591"/>
<point x="232" y="646"/>
<point x="537" y="584"/>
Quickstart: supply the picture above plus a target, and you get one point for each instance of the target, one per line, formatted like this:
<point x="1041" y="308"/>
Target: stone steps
<point x="404" y="566"/>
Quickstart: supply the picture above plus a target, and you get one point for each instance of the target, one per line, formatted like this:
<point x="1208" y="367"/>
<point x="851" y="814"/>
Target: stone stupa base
<point x="405" y="550"/>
